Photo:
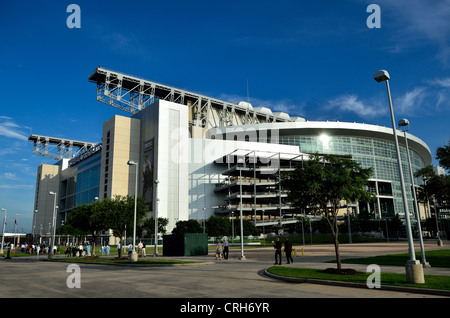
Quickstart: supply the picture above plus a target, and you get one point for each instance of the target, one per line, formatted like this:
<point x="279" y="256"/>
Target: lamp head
<point x="381" y="76"/>
<point x="403" y="122"/>
<point x="131" y="162"/>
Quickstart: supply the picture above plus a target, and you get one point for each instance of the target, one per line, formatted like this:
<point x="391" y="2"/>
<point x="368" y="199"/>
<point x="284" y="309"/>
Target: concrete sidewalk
<point x="30" y="277"/>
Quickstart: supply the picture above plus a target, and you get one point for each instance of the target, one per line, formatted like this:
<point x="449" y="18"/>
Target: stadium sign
<point x="86" y="154"/>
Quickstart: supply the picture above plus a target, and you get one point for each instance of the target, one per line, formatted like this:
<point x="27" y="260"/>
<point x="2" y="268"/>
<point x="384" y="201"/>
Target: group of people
<point x="27" y="248"/>
<point x="80" y="250"/>
<point x="105" y="249"/>
<point x="222" y="250"/>
<point x="141" y="249"/>
<point x="287" y="250"/>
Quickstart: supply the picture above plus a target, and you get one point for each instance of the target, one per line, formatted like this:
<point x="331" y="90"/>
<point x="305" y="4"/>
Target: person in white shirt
<point x="225" y="248"/>
<point x="140" y="246"/>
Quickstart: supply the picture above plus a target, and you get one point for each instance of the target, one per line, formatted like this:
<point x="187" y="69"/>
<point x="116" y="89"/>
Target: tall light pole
<point x="15" y="232"/>
<point x="34" y="225"/>
<point x="204" y="220"/>
<point x="414" y="270"/>
<point x="405" y="123"/>
<point x="240" y="212"/>
<point x="155" y="252"/>
<point x="264" y="231"/>
<point x="349" y="225"/>
<point x="133" y="257"/>
<point x="50" y="251"/>
<point x="3" y="232"/>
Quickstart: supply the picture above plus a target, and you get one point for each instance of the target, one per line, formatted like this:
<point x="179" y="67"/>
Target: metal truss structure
<point x="58" y="148"/>
<point x="133" y="94"/>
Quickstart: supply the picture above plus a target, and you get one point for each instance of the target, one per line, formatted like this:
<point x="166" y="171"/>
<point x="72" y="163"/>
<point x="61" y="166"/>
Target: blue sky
<point x="314" y="59"/>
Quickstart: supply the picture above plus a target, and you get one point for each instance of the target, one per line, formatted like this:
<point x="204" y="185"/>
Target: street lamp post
<point x="414" y="270"/>
<point x="134" y="257"/>
<point x="34" y="225"/>
<point x="15" y="233"/>
<point x="349" y="225"/>
<point x="240" y="212"/>
<point x="405" y="123"/>
<point x="204" y="220"/>
<point x="3" y="232"/>
<point x="155" y="252"/>
<point x="264" y="231"/>
<point x="50" y="251"/>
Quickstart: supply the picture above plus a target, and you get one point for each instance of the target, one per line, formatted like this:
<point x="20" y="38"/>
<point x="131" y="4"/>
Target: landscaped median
<point x="435" y="284"/>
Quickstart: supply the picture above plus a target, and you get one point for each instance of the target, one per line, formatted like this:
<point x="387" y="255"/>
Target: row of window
<point x="369" y="152"/>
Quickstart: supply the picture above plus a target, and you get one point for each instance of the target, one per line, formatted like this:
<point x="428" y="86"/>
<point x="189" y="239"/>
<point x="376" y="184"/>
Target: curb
<point x="427" y="291"/>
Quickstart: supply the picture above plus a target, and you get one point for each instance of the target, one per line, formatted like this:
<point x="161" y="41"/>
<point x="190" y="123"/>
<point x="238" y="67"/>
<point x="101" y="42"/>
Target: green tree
<point x="118" y="214"/>
<point x="189" y="226"/>
<point x="249" y="227"/>
<point x="147" y="227"/>
<point x="443" y="155"/>
<point x="83" y="218"/>
<point x="436" y="187"/>
<point x="322" y="182"/>
<point x="218" y="226"/>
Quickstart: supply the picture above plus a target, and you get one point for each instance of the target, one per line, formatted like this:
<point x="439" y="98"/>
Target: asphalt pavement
<point x="210" y="279"/>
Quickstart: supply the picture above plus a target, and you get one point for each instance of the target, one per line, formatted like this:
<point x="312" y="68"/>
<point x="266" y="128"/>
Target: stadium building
<point x="198" y="156"/>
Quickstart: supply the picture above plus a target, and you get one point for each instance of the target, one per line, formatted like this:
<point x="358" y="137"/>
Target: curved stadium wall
<point x="370" y="145"/>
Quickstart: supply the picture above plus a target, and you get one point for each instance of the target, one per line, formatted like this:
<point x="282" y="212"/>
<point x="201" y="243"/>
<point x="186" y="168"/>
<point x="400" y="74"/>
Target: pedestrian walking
<point x="140" y="246"/>
<point x="130" y="249"/>
<point x="277" y="247"/>
<point x="219" y="250"/>
<point x="225" y="248"/>
<point x="288" y="250"/>
<point x="68" y="250"/>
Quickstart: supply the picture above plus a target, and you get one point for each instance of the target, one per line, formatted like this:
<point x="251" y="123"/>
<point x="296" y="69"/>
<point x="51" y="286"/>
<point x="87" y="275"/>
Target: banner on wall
<point x="148" y="172"/>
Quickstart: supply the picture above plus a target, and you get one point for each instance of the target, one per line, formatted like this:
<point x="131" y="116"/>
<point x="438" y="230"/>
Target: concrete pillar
<point x="414" y="273"/>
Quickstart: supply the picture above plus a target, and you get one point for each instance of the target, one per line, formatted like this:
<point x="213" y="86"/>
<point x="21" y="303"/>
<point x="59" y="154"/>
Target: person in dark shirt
<point x="277" y="247"/>
<point x="288" y="250"/>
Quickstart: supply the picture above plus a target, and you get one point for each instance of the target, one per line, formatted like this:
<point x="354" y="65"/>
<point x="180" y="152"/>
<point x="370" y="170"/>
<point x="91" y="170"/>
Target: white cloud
<point x="16" y="186"/>
<point x="418" y="23"/>
<point x="11" y="130"/>
<point x="351" y="103"/>
<point x="411" y="101"/>
<point x="441" y="82"/>
<point x="9" y="175"/>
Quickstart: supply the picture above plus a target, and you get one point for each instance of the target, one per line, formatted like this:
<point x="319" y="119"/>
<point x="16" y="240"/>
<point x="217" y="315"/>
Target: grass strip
<point x="386" y="279"/>
<point x="436" y="258"/>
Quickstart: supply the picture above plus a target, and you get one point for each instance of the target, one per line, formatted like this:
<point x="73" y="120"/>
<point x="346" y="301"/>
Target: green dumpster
<point x="187" y="244"/>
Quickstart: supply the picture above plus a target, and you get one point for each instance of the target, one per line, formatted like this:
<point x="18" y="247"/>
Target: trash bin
<point x="187" y="244"/>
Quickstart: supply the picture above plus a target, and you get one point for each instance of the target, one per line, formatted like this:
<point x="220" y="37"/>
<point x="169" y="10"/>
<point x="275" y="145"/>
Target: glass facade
<point x="80" y="183"/>
<point x="379" y="154"/>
